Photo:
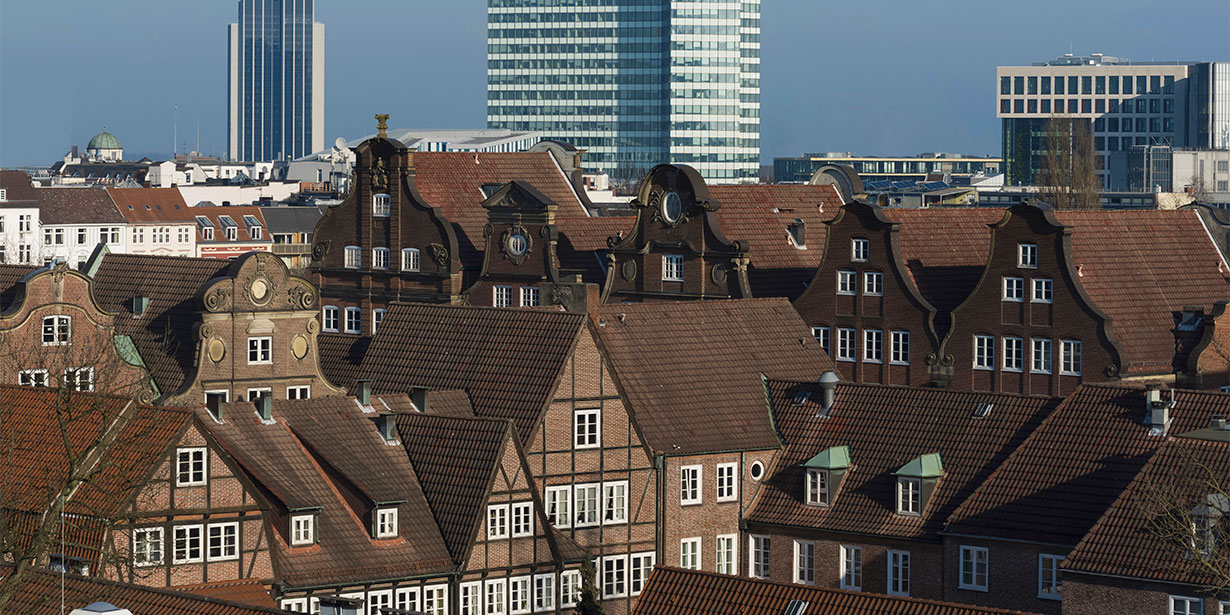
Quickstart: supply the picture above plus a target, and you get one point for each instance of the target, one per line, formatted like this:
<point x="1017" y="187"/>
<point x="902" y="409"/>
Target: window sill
<point x="841" y="294"/>
<point x="1040" y="372"/>
<point x="1069" y="373"/>
<point x="728" y="499"/>
<point x="1009" y="370"/>
<point x="873" y="361"/>
<point x="690" y="503"/>
<point x="984" y="369"/>
<point x="973" y="588"/>
<point x="1008" y="300"/>
<point x="1054" y="598"/>
<point x="1041" y="302"/>
<point x="906" y="363"/>
<point x="846" y="360"/>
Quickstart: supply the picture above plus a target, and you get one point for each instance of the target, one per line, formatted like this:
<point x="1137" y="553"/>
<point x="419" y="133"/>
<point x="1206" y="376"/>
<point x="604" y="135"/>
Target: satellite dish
<point x="340" y="143"/>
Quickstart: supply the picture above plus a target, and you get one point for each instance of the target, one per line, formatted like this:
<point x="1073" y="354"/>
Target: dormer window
<point x="1027" y="255"/>
<point x="1189" y="320"/>
<point x="206" y="227"/>
<point x="229" y="227"/>
<point x="381" y="205"/>
<point x="916" y="481"/>
<point x="386" y="523"/>
<point x="822" y="475"/>
<point x="860" y="249"/>
<point x="302" y="530"/>
<point x="254" y="227"/>
<point x="1205" y="518"/>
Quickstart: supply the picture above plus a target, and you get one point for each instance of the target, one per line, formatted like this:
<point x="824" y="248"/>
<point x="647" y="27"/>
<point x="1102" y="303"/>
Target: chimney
<point x="798" y="232"/>
<point x="264" y="407"/>
<point x="387" y="423"/>
<point x="1157" y="411"/>
<point x="364" y="392"/>
<point x="828" y="391"/>
<point x="74" y="151"/>
<point x="1219" y="423"/>
<point x="418" y="395"/>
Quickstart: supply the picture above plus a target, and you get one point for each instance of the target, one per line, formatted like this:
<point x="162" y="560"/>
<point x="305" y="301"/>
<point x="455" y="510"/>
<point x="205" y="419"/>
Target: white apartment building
<point x="19" y="226"/>
<point x="159" y="221"/>
<point x="73" y="221"/>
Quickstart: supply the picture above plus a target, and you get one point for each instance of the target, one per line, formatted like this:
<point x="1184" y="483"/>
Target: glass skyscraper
<point x="633" y="82"/>
<point x="276" y="102"/>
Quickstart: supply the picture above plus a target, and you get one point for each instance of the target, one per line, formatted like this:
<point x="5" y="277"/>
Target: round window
<point x="517" y="244"/>
<point x="672" y="207"/>
<point x="757" y="470"/>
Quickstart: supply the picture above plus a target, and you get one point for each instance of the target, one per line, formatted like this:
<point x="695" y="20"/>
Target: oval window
<point x="672" y="207"/>
<point x="757" y="470"/>
<point x="517" y="244"/>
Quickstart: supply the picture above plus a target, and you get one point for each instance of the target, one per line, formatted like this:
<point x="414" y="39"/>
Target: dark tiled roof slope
<point x="9" y="276"/>
<point x="150" y="205"/>
<point x="508" y="360"/>
<point x="885" y="427"/>
<point x="290" y="460"/>
<point x="1057" y="484"/>
<point x="456" y="460"/>
<point x="760" y="214"/>
<point x="18" y="190"/>
<point x="39" y="594"/>
<point x="1125" y="543"/>
<point x="77" y="206"/>
<point x="340" y="356"/>
<point x="692" y="370"/>
<point x="453" y="403"/>
<point x="1139" y="267"/>
<point x="163" y="335"/>
<point x="244" y="591"/>
<point x="672" y="591"/>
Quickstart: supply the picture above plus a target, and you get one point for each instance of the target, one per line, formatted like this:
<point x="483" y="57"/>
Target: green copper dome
<point x="104" y="140"/>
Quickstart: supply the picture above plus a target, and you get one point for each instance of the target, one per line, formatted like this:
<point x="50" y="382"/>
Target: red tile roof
<point x="885" y="427"/>
<point x="39" y="594"/>
<point x="760" y="214"/>
<point x="19" y="192"/>
<point x="1061" y="480"/>
<point x="150" y="205"/>
<point x="244" y="591"/>
<point x="1127" y="540"/>
<point x="243" y="232"/>
<point x="691" y="371"/>
<point x="672" y="591"/>
<point x="77" y="206"/>
<point x="509" y="361"/>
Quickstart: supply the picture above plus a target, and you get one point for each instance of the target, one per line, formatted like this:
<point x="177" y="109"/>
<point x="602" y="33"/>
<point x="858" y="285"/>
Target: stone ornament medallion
<point x="299" y="346"/>
<point x="216" y="350"/>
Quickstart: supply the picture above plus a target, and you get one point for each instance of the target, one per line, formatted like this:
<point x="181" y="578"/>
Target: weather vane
<point x="382" y="126"/>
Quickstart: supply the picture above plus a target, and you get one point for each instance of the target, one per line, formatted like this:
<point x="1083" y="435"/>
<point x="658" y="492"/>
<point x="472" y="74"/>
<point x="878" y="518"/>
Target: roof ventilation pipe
<point x="828" y="392"/>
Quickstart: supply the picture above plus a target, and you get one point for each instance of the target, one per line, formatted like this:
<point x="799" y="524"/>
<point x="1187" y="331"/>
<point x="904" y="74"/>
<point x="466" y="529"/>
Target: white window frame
<point x="522" y="519"/>
<point x="846" y="282"/>
<point x="33" y="378"/>
<point x="353" y="320"/>
<point x="615" y="502"/>
<point x="1027" y="255"/>
<point x="860" y="250"/>
<point x="382" y="205"/>
<point x="726" y="554"/>
<point x="544" y="592"/>
<point x="823" y="336"/>
<point x="497" y="521"/>
<point x="587" y="505"/>
<point x="847" y="344"/>
<point x="873" y="283"/>
<point x="898" y="573"/>
<point x="1191" y="606"/>
<point x="689" y="553"/>
<point x="759" y="554"/>
<point x="561" y="498"/>
<point x="1070" y="357"/>
<point x="972" y="579"/>
<point x="378" y="600"/>
<point x="57" y="330"/>
<point x="501" y="295"/>
<point x="410" y="259"/>
<point x="386" y="522"/>
<point x="147" y="542"/>
<point x="1014" y="289"/>
<point x="587" y="428"/>
<point x="470" y="598"/>
<point x="260" y="350"/>
<point x="816" y="487"/>
<point x="79" y="378"/>
<point x="727" y="482"/>
<point x="228" y="545"/>
<point x="380" y="258"/>
<point x="569" y="588"/>
<point x="302" y="530"/>
<point x="495" y="598"/>
<point x="614" y="576"/>
<point x="531" y="296"/>
<point x="520" y="595"/>
<point x="691" y="483"/>
<point x="195" y="466"/>
<point x="1052" y="590"/>
<point x="640" y="565"/>
<point x="850" y="558"/>
<point x="353" y="257"/>
<point x="1040" y="355"/>
<point x="672" y="267"/>
<point x="377" y="318"/>
<point x="804" y="562"/>
<point x="899" y="348"/>
<point x="873" y="346"/>
<point x="325" y="313"/>
<point x="188" y="539"/>
<point x="909" y="496"/>
<point x="1013" y="351"/>
<point x="1041" y="290"/>
<point x="984" y="352"/>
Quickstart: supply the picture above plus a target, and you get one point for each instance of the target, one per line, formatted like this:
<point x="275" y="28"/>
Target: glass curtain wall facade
<point x="276" y="81"/>
<point x="633" y="82"/>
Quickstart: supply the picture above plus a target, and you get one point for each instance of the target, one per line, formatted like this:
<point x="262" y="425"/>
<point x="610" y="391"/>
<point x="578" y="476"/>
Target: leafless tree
<point x="1068" y="178"/>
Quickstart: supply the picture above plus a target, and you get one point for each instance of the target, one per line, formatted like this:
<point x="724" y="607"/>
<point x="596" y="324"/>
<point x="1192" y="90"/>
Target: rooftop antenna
<point x="198" y="131"/>
<point x="175" y="132"/>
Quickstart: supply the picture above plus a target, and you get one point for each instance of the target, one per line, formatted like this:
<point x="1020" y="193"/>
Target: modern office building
<point x="958" y="168"/>
<point x="276" y="81"/>
<point x="1128" y="104"/>
<point x="635" y="83"/>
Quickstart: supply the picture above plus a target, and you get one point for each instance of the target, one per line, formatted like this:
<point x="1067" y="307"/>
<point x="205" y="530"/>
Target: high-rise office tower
<point x="633" y="82"/>
<point x="276" y="102"/>
<point x="1131" y="107"/>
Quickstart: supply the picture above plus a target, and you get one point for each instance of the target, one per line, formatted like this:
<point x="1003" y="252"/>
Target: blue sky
<point x="869" y="77"/>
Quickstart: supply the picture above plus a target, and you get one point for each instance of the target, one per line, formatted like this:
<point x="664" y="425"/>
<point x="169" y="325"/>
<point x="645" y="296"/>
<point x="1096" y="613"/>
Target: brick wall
<point x="1012" y="570"/>
<point x="1092" y="595"/>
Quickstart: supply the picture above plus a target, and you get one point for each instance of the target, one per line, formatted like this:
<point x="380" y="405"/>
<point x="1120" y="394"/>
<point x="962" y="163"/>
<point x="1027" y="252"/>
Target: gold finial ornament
<point x="382" y="126"/>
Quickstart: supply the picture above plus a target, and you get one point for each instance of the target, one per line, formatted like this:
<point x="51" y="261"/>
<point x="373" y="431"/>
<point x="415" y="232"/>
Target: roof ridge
<point x="146" y="588"/>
